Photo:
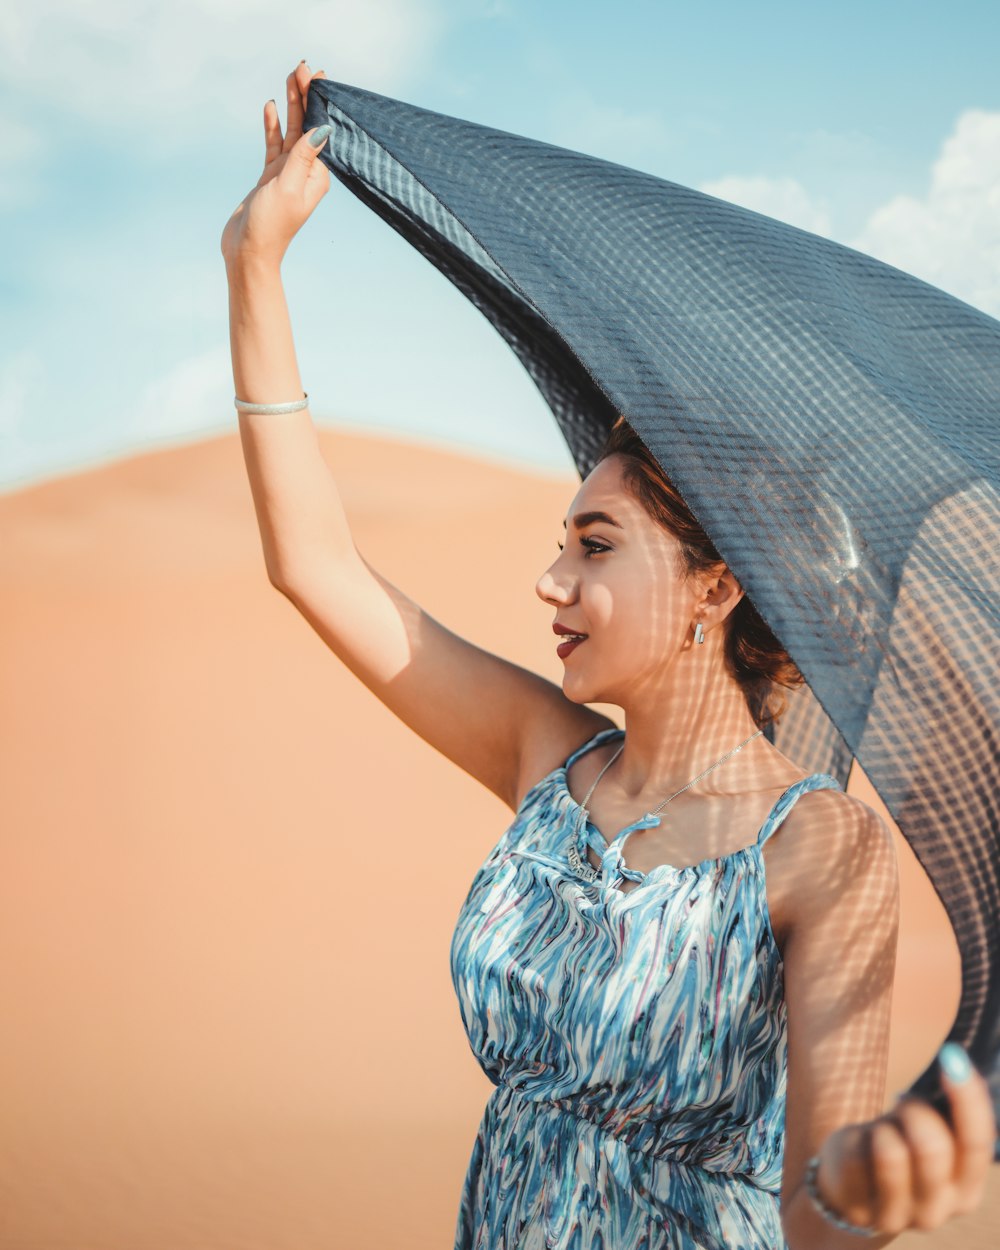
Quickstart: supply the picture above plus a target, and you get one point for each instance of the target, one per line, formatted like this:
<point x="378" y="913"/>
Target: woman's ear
<point x="725" y="592"/>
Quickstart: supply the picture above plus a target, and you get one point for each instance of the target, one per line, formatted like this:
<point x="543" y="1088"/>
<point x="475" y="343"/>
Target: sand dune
<point x="230" y="876"/>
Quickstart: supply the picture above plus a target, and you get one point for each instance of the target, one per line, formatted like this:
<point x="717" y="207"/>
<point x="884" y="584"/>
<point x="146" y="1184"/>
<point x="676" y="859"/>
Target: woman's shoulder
<point x="830" y="817"/>
<point x="829" y="841"/>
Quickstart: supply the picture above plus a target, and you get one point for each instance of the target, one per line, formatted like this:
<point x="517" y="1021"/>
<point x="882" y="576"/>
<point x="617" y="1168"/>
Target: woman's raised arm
<point x="299" y="510"/>
<point x="494" y="719"/>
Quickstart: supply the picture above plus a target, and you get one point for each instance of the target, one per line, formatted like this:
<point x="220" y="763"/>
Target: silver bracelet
<point x="294" y="406"/>
<point x="812" y="1167"/>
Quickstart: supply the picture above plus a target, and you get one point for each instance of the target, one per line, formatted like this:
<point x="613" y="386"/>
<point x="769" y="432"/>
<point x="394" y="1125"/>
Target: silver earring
<point x="699" y="633"/>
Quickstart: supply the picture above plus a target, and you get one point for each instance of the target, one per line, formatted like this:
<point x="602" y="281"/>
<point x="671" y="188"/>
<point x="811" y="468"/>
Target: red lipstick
<point x="573" y="639"/>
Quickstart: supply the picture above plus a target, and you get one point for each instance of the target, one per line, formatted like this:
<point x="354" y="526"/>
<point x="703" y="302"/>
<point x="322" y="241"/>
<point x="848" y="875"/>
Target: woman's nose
<point x="552" y="590"/>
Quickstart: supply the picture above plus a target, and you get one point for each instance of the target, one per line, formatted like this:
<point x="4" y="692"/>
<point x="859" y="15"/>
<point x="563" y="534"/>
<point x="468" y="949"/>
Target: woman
<point x="689" y="1041"/>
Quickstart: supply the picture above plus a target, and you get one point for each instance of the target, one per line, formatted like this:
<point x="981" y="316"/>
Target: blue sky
<point x="132" y="130"/>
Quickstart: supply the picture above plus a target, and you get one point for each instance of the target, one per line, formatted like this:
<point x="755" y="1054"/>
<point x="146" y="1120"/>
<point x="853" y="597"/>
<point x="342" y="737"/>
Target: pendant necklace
<point x="579" y="863"/>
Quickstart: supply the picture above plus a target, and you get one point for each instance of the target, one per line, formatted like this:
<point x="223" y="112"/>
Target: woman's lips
<point x="564" y="648"/>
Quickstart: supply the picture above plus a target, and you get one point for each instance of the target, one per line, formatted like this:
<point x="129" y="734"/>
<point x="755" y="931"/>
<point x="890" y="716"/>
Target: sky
<point x="132" y="130"/>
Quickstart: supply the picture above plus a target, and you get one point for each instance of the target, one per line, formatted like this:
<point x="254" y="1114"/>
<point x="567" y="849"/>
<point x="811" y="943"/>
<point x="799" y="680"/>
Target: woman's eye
<point x="592" y="546"/>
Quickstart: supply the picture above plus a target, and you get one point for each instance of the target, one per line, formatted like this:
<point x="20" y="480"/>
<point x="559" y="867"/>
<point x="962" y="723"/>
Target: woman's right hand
<point x="292" y="184"/>
<point x="909" y="1168"/>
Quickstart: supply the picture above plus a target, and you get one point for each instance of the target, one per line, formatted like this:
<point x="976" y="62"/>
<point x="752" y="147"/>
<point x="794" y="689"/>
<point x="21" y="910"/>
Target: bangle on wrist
<point x="294" y="406"/>
<point x="831" y="1216"/>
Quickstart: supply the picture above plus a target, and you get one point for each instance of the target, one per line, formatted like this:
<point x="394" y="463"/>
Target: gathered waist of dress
<point x="721" y="1154"/>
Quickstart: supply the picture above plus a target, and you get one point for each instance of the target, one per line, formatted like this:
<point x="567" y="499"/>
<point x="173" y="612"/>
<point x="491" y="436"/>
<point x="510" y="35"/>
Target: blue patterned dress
<point x="637" y="1041"/>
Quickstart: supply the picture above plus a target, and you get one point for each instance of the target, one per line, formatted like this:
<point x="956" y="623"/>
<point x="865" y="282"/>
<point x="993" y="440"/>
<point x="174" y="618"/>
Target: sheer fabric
<point x="831" y="421"/>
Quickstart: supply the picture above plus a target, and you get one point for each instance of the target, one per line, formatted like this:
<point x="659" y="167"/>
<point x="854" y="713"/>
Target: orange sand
<point x="230" y="876"/>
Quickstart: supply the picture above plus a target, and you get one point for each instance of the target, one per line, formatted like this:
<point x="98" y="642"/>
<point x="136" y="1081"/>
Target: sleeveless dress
<point x="637" y="1041"/>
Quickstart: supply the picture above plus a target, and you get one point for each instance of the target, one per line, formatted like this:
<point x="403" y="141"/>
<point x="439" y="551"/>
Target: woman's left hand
<point x="292" y="184"/>
<point x="907" y="1168"/>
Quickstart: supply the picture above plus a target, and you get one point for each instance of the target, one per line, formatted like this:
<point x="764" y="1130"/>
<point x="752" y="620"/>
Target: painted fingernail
<point x="955" y="1062"/>
<point x="318" y="137"/>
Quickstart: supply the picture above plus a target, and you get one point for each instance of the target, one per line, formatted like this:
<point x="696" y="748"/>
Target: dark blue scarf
<point x="832" y="422"/>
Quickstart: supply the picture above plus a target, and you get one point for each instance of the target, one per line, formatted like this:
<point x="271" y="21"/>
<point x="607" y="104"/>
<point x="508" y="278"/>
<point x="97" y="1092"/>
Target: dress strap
<point x="596" y="740"/>
<point x="777" y="814"/>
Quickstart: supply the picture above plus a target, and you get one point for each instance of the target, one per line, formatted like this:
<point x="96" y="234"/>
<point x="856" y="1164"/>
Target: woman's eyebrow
<point x="586" y="518"/>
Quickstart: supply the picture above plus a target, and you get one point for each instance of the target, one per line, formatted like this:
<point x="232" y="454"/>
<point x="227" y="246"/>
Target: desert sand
<point x="230" y="876"/>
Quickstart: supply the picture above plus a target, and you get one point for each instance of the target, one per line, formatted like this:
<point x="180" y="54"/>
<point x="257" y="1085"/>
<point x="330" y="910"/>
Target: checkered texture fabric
<point x="831" y="421"/>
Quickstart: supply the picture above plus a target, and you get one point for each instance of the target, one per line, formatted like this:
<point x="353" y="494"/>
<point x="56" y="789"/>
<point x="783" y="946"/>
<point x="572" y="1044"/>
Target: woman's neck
<point x="668" y="743"/>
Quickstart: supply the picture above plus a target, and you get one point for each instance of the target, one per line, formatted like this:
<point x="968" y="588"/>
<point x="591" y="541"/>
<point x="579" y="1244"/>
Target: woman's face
<point x="616" y="580"/>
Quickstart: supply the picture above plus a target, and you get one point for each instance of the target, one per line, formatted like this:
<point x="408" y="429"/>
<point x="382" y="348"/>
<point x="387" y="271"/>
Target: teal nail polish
<point x="955" y="1062"/>
<point x="318" y="137"/>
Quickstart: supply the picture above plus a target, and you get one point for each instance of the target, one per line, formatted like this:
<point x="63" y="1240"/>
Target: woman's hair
<point x="753" y="655"/>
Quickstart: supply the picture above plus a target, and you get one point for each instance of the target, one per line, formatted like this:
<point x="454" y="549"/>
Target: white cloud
<point x="950" y="237"/>
<point x="194" y="396"/>
<point x="194" y="67"/>
<point x="22" y="377"/>
<point x="781" y="198"/>
<point x="20" y="145"/>
<point x="23" y="381"/>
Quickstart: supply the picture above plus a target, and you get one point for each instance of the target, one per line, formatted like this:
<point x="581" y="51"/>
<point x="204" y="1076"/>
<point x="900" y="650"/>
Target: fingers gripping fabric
<point x="832" y="422"/>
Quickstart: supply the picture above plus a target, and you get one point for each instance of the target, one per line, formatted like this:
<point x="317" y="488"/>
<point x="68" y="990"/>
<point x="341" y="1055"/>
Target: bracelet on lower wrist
<point x="825" y="1210"/>
<point x="294" y="405"/>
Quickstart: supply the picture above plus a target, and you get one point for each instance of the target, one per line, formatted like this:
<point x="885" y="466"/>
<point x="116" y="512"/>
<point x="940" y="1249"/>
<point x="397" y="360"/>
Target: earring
<point x="699" y="633"/>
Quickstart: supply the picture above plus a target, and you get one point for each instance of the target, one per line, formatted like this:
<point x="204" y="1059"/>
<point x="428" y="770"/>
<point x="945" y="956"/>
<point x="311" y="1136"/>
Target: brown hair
<point x="753" y="655"/>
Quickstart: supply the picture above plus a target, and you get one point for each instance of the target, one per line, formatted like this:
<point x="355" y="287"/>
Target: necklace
<point x="581" y="865"/>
